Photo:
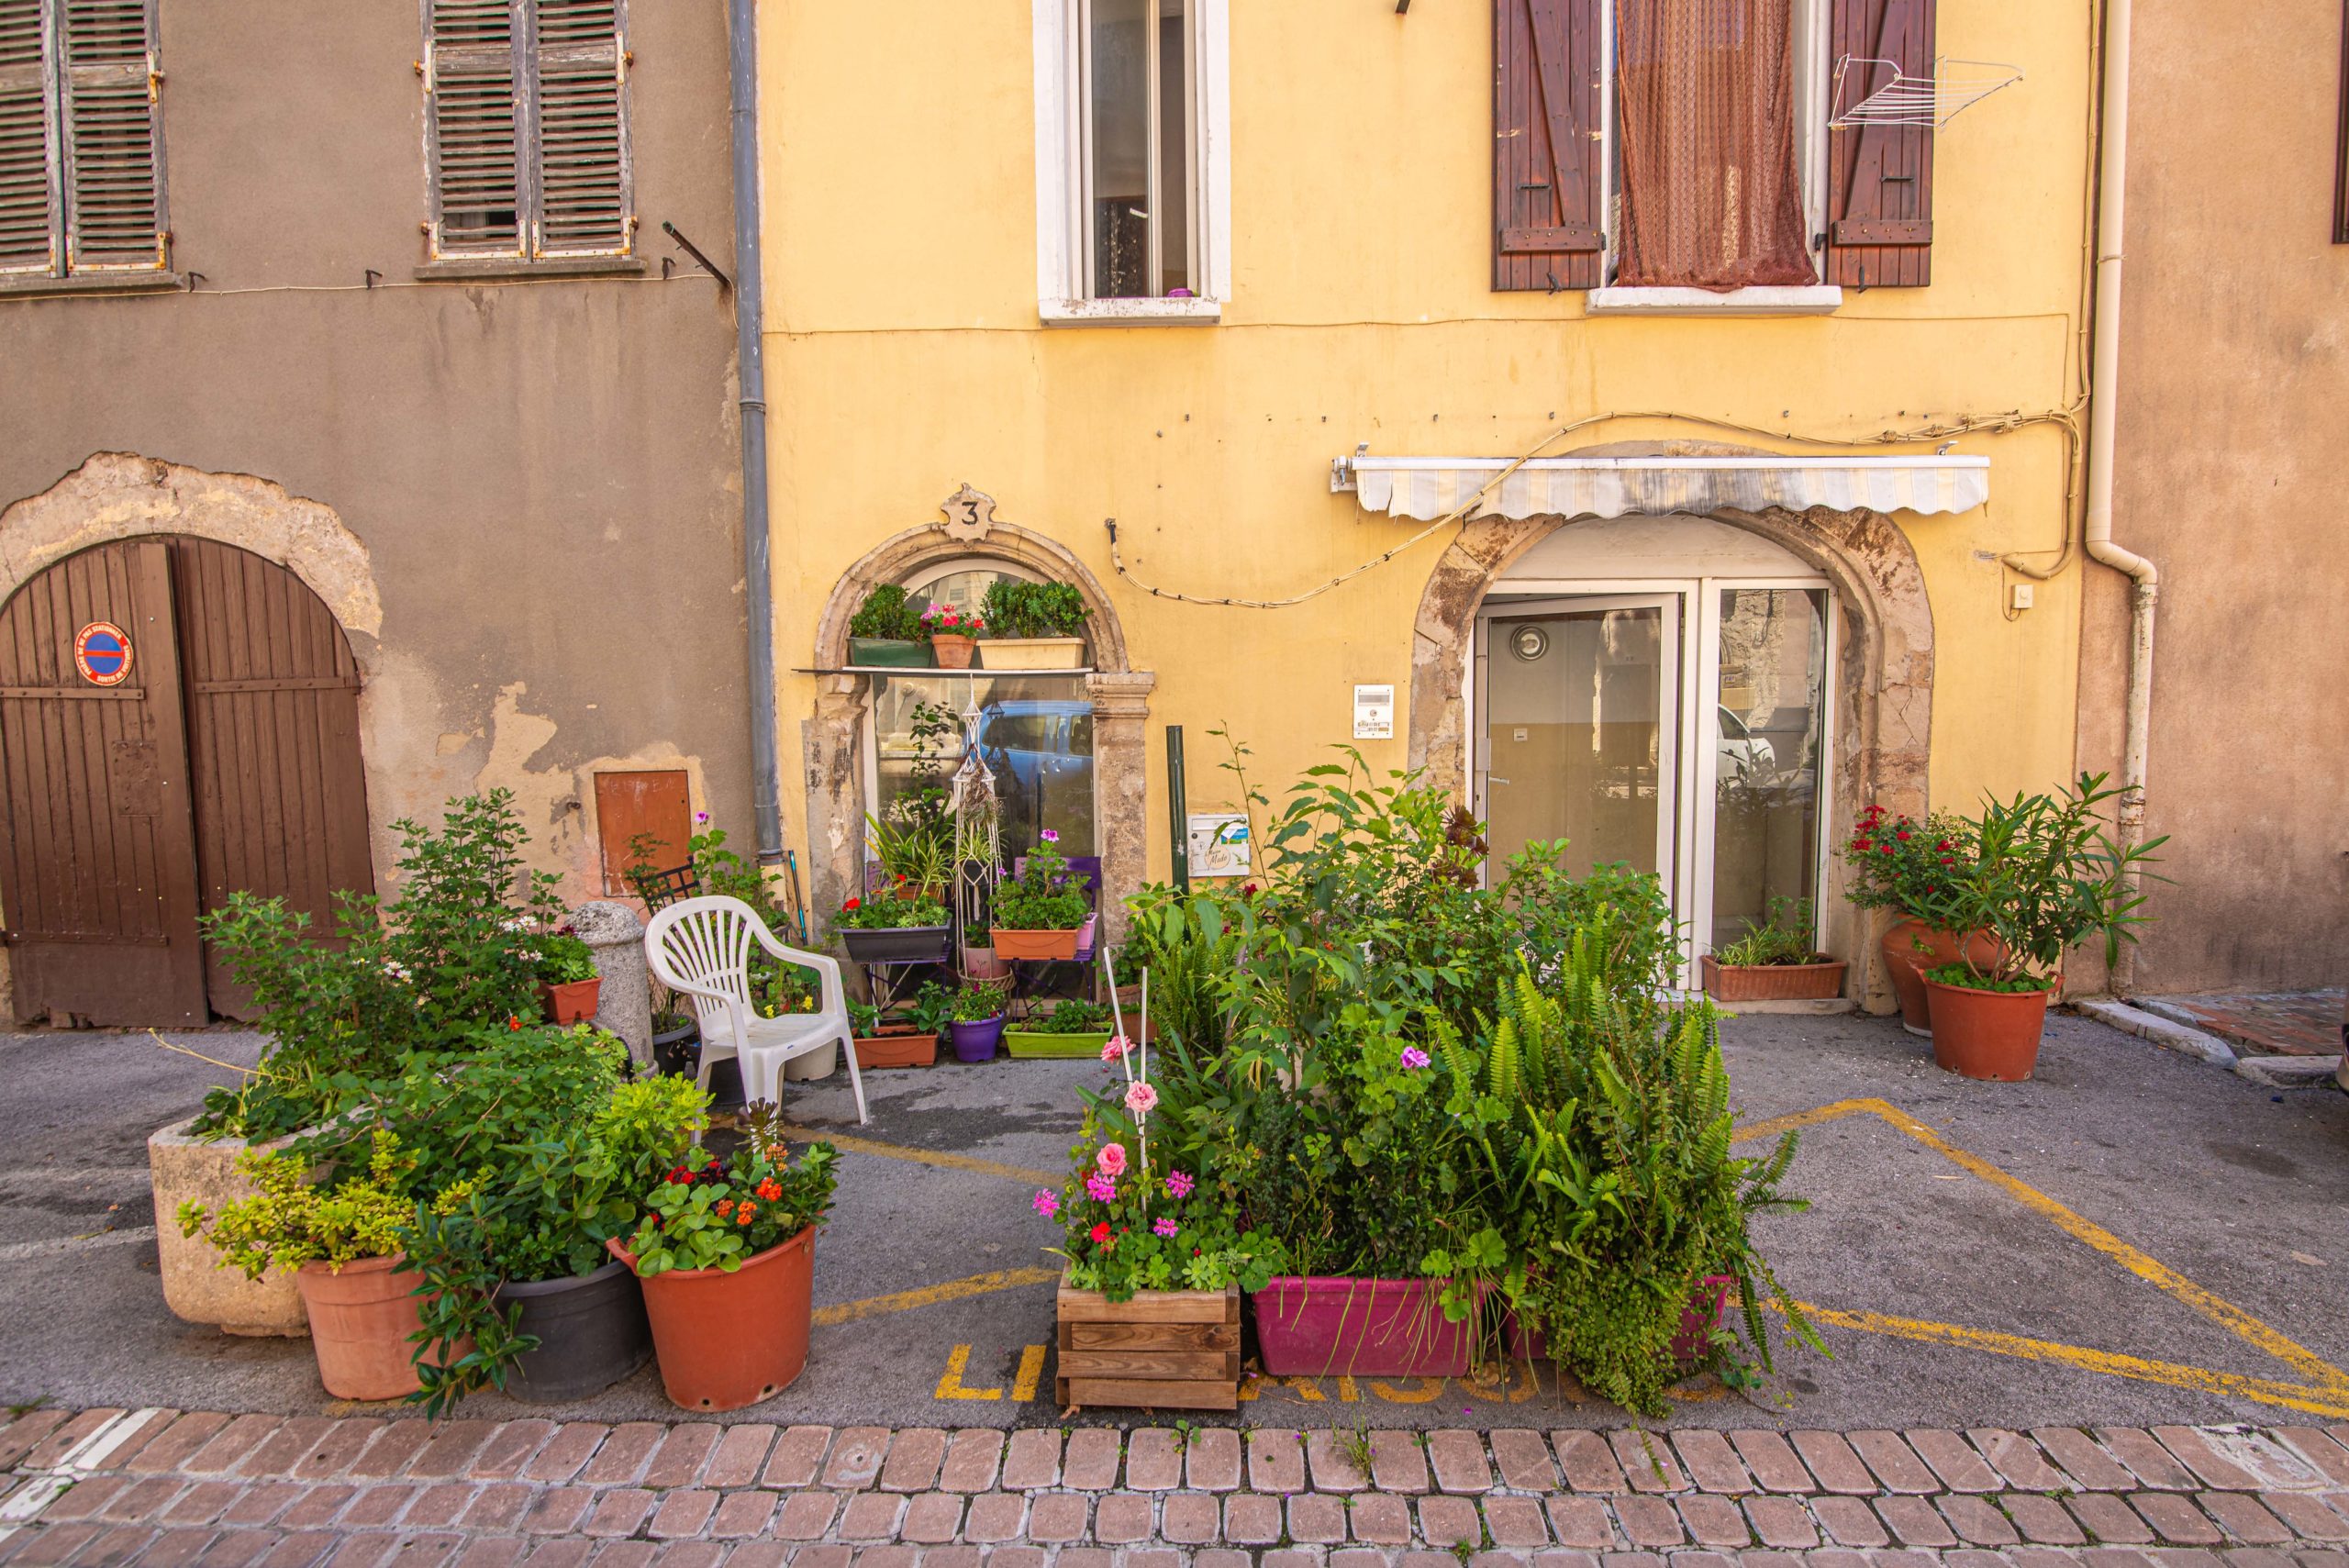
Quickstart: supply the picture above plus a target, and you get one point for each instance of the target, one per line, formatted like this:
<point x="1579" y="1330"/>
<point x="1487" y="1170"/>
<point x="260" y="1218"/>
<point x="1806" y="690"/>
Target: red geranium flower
<point x="1862" y="844"/>
<point x="853" y="903"/>
<point x="1902" y="835"/>
<point x="1886" y="849"/>
<point x="1101" y="1231"/>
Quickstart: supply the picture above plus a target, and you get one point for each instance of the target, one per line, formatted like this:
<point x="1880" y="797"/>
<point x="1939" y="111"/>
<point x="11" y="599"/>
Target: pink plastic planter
<point x="1377" y="1327"/>
<point x="1694" y="1337"/>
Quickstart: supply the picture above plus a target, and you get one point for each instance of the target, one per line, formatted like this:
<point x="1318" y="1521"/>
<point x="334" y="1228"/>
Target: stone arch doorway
<point x="1114" y="699"/>
<point x="212" y="748"/>
<point x="1881" y="680"/>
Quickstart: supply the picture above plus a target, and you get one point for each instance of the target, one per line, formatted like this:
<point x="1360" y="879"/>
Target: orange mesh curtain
<point x="1710" y="196"/>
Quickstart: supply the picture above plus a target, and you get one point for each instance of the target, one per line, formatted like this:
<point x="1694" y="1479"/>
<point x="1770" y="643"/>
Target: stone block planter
<point x="1171" y="1350"/>
<point x="196" y="1287"/>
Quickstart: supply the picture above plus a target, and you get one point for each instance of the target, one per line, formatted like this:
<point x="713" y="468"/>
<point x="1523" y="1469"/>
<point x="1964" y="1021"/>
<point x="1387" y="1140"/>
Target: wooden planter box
<point x="1165" y="1350"/>
<point x="1773" y="982"/>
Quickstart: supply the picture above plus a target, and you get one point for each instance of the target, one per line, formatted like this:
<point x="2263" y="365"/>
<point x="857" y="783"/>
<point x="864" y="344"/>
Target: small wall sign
<point x="102" y="652"/>
<point x="1375" y="713"/>
<point x="1219" y="844"/>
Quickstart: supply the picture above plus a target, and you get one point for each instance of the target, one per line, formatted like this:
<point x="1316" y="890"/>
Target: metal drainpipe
<point x="749" y="327"/>
<point x="2112" y="180"/>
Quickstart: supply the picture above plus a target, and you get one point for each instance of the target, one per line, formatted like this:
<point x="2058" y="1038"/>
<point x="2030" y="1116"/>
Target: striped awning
<point x="1433" y="487"/>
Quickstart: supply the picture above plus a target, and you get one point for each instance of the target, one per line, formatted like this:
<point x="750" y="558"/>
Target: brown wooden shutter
<point x="473" y="108"/>
<point x="29" y="236"/>
<point x="111" y="110"/>
<point x="583" y="163"/>
<point x="1880" y="177"/>
<point x="1547" y="231"/>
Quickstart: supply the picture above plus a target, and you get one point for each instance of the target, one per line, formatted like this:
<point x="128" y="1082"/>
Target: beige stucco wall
<point x="906" y="357"/>
<point x="2235" y="377"/>
<point x="536" y="484"/>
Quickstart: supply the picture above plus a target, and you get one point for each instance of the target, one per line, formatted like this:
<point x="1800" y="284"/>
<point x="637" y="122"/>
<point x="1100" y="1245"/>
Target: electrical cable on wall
<point x="2066" y="419"/>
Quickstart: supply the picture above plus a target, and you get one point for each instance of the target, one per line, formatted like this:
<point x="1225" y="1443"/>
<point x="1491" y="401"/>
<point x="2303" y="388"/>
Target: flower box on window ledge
<point x="1033" y="626"/>
<point x="1031" y="653"/>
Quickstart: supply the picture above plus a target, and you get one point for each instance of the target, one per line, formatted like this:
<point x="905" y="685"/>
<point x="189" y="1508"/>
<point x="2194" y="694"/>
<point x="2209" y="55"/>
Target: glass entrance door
<point x="1580" y="702"/>
<point x="1706" y="767"/>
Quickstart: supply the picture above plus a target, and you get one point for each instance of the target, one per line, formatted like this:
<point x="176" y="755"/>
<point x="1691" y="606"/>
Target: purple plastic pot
<point x="977" y="1041"/>
<point x="1689" y="1342"/>
<point x="1378" y="1327"/>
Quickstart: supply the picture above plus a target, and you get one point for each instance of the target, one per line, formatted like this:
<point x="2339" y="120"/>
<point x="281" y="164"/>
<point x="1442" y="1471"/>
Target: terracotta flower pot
<point x="359" y="1324"/>
<point x="953" y="650"/>
<point x="724" y="1341"/>
<point x="1905" y="965"/>
<point x="572" y="1001"/>
<point x="1988" y="1034"/>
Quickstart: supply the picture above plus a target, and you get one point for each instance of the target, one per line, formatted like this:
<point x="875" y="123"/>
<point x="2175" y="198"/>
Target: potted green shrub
<point x="1774" y="961"/>
<point x="1073" y="1029"/>
<point x="953" y="636"/>
<point x="2044" y="876"/>
<point x="1042" y="913"/>
<point x="727" y="1254"/>
<point x="569" y="987"/>
<point x="884" y="1041"/>
<point x="345" y="1239"/>
<point x="453" y="950"/>
<point x="887" y="633"/>
<point x="1033" y="625"/>
<point x="1898" y="864"/>
<point x="975" y="1019"/>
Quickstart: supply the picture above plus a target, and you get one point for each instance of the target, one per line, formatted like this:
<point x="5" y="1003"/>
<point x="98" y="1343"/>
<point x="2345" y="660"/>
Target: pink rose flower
<point x="1112" y="1160"/>
<point x="1119" y="1045"/>
<point x="1142" y="1099"/>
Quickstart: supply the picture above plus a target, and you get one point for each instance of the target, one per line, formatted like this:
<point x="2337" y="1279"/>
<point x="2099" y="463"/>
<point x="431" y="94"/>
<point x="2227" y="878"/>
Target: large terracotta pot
<point x="360" y="1322"/>
<point x="729" y="1340"/>
<point x="1988" y="1034"/>
<point x="1905" y="965"/>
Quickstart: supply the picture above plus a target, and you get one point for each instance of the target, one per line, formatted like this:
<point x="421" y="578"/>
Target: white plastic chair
<point x="701" y="949"/>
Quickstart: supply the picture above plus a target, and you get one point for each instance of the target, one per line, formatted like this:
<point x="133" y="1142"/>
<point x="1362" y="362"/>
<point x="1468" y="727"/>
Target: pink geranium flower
<point x="1046" y="1205"/>
<point x="1100" y="1188"/>
<point x="1179" y="1184"/>
<point x="1142" y="1099"/>
<point x="1111" y="1160"/>
<point x="1165" y="1227"/>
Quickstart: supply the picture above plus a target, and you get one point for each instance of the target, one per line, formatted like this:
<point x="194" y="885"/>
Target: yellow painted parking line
<point x="854" y="1145"/>
<point x="2329" y="1388"/>
<point x="931" y="1294"/>
<point x="2268" y="1391"/>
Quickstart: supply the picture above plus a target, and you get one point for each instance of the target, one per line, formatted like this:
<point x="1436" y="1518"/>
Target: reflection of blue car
<point x="1040" y="753"/>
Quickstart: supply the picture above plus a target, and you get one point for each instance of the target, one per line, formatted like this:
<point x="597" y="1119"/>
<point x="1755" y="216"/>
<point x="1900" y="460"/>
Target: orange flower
<point x="725" y="1207"/>
<point x="742" y="1213"/>
<point x="770" y="1189"/>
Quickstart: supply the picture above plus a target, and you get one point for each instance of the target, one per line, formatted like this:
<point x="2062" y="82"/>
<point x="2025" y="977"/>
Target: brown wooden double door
<point x="227" y="758"/>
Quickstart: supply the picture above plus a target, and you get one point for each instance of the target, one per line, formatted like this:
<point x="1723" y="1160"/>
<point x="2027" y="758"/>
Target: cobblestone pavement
<point x="162" y="1489"/>
<point x="2289" y="1023"/>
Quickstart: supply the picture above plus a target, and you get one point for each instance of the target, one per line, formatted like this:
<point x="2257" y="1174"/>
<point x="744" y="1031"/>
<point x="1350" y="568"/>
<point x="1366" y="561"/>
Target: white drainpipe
<point x="2112" y="179"/>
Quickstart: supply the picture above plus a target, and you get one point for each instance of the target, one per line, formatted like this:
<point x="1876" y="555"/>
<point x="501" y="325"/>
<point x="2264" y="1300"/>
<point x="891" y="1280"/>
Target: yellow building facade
<point x="929" y="328"/>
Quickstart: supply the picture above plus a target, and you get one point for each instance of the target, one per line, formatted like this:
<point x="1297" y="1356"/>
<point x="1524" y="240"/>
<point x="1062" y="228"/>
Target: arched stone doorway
<point x="1117" y="697"/>
<point x="1883" y="677"/>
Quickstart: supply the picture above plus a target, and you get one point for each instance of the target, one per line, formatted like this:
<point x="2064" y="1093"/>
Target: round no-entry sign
<point x="102" y="652"/>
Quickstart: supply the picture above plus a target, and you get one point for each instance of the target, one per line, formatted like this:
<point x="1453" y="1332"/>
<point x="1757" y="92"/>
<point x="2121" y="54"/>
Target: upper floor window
<point x="1657" y="144"/>
<point x="526" y="129"/>
<point x="81" y="138"/>
<point x="1132" y="159"/>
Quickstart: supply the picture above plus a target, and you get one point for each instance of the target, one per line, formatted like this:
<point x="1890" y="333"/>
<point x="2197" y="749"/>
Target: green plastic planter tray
<point x="884" y="652"/>
<point x="1034" y="1043"/>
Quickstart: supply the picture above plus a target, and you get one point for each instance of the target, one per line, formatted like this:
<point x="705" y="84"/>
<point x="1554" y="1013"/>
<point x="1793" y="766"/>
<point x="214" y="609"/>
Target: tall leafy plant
<point x="1016" y="608"/>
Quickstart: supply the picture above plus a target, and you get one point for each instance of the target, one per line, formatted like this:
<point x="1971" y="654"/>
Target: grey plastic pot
<point x="592" y="1332"/>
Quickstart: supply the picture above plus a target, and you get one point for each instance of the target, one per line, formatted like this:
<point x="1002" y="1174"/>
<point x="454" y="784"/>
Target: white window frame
<point x="1064" y="297"/>
<point x="1812" y="70"/>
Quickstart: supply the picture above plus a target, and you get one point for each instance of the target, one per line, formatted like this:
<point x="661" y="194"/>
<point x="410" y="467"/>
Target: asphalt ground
<point x="2134" y="1237"/>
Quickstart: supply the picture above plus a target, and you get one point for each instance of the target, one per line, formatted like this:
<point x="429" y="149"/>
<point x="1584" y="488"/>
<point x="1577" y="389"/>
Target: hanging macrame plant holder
<point x="978" y="832"/>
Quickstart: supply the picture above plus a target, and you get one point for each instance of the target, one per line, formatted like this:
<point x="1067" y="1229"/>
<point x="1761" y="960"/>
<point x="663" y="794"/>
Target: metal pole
<point x="749" y="352"/>
<point x="1178" y="811"/>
